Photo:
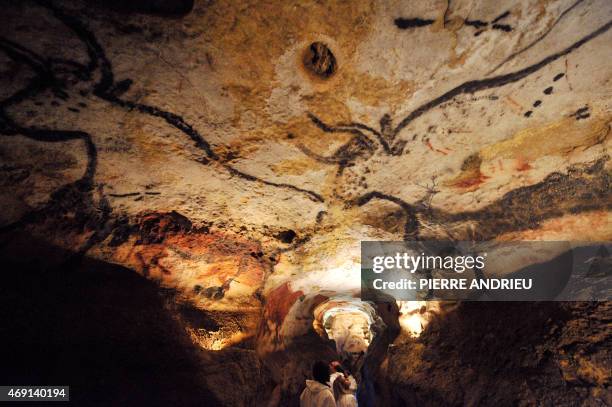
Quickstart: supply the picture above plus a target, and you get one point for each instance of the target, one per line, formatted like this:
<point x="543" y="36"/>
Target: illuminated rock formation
<point x="234" y="155"/>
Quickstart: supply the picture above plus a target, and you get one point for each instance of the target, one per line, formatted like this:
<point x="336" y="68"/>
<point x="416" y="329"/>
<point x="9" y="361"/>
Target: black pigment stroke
<point x="476" y="23"/>
<point x="411" y="225"/>
<point x="534" y="42"/>
<point x="501" y="16"/>
<point x="359" y="146"/>
<point x="406" y="23"/>
<point x="416" y="22"/>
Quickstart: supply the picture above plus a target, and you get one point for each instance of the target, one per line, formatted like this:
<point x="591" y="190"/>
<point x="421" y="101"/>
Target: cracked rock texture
<point x="234" y="154"/>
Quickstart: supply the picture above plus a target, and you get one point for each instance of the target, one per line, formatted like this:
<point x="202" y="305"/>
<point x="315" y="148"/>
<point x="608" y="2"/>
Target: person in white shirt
<point x="344" y="387"/>
<point x="317" y="392"/>
<point x="336" y="370"/>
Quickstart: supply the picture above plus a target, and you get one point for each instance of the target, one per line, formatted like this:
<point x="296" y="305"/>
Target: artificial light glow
<point x="346" y="320"/>
<point x="414" y="315"/>
<point x="214" y="340"/>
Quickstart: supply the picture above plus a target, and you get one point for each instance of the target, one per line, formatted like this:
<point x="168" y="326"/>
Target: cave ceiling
<point x="239" y="153"/>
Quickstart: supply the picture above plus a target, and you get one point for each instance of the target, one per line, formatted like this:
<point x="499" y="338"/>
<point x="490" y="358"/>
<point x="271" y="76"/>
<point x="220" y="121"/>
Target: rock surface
<point x="236" y="153"/>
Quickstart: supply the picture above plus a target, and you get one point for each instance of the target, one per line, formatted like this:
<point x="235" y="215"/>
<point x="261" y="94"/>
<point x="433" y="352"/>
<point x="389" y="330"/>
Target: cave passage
<point x="187" y="188"/>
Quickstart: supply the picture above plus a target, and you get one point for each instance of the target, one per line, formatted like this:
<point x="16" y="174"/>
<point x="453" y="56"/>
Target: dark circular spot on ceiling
<point x="319" y="60"/>
<point x="286" y="236"/>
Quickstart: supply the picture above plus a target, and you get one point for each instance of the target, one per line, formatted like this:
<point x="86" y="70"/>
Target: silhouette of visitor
<point x="317" y="392"/>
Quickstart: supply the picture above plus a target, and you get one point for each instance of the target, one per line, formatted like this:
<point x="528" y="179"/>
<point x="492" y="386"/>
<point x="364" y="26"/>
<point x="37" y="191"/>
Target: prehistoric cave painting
<point x="366" y="143"/>
<point x="97" y="78"/>
<point x="480" y="25"/>
<point x="496" y="23"/>
<point x="537" y="40"/>
<point x="387" y="136"/>
<point x="548" y="91"/>
<point x="221" y="272"/>
<point x="406" y="23"/>
<point x="582" y="113"/>
<point x="164" y="240"/>
<point x="582" y="188"/>
<point x="50" y="74"/>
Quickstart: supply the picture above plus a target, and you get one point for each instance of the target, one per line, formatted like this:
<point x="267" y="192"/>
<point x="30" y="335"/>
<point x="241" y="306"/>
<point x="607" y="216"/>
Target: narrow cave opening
<point x="348" y="323"/>
<point x="361" y="332"/>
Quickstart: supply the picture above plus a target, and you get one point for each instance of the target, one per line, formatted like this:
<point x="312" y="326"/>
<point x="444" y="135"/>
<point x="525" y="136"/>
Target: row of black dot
<point x="55" y="103"/>
<point x="547" y="91"/>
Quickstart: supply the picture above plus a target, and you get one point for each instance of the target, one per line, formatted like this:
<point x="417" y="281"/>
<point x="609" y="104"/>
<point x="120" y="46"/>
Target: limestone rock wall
<point x="236" y="153"/>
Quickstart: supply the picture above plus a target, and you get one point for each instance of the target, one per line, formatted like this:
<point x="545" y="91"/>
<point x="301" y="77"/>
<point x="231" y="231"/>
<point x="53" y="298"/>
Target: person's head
<point x="320" y="372"/>
<point x="333" y="366"/>
<point x="341" y="386"/>
<point x="345" y="370"/>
